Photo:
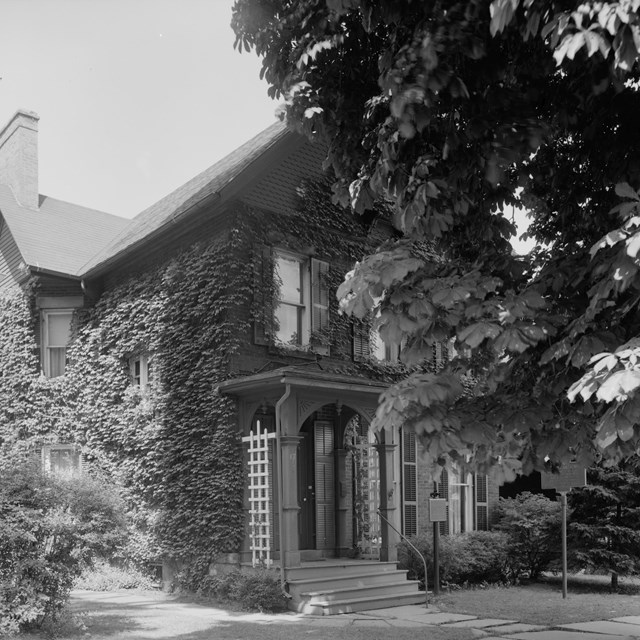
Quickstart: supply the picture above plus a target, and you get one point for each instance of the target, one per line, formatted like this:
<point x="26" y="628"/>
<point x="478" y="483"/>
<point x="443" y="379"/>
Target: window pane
<point x="64" y="461"/>
<point x="288" y="319"/>
<point x="290" y="273"/>
<point x="57" y="361"/>
<point x="59" y="328"/>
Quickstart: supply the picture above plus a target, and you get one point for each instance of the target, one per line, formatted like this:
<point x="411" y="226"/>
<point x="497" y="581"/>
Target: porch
<point x="316" y="479"/>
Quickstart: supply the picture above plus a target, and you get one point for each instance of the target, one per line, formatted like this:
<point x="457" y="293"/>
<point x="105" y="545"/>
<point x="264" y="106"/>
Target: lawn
<point x="542" y="603"/>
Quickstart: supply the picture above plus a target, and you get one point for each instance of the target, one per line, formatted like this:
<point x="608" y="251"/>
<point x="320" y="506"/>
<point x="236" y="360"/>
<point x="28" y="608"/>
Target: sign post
<point x="571" y="475"/>
<point x="563" y="502"/>
<point x="437" y="514"/>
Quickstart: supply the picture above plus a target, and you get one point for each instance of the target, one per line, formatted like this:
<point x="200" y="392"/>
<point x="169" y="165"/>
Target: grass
<point x="588" y="598"/>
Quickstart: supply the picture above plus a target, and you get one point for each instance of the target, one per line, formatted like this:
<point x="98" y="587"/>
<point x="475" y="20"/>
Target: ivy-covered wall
<point x="175" y="446"/>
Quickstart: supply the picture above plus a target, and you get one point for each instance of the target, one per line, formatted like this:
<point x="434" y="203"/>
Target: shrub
<point x="49" y="530"/>
<point x="103" y="576"/>
<point x="257" y="590"/>
<point x="474" y="557"/>
<point x="532" y="523"/>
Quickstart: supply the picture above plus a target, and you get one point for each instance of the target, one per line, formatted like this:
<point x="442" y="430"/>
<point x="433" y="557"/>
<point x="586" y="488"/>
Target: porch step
<point x="360" y="580"/>
<point x="328" y="569"/>
<point x="334" y="587"/>
<point x="351" y="605"/>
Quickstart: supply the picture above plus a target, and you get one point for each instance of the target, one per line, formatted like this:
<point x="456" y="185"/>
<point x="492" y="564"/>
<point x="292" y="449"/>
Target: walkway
<point x="125" y="615"/>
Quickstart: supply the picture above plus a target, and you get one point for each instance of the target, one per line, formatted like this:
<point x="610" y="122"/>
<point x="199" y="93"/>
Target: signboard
<point x="571" y="475"/>
<point x="438" y="510"/>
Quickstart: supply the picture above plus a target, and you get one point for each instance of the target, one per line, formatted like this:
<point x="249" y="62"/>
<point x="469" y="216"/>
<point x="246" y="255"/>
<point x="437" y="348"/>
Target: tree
<point x="604" y="532"/>
<point x="532" y="523"/>
<point x="453" y="111"/>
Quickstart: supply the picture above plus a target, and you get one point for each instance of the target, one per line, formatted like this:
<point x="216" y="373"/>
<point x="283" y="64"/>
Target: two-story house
<point x="248" y="322"/>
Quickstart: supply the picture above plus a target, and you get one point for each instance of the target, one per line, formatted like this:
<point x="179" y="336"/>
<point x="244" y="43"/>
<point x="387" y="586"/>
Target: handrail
<point x="424" y="562"/>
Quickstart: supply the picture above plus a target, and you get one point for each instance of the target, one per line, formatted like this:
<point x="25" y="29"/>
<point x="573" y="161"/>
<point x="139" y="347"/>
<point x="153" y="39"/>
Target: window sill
<point x="308" y="352"/>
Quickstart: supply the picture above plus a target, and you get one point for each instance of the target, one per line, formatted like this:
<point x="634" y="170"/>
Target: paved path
<point x="137" y="616"/>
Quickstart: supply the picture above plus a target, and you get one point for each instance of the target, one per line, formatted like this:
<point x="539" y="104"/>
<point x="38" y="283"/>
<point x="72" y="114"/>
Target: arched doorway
<point x="363" y="459"/>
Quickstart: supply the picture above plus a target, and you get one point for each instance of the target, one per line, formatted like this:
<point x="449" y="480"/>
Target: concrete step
<point x="401" y="587"/>
<point x="305" y="585"/>
<point x="327" y="570"/>
<point x="350" y="605"/>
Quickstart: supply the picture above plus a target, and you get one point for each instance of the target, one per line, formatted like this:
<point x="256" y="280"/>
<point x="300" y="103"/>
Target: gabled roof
<point x="211" y="183"/>
<point x="59" y="237"/>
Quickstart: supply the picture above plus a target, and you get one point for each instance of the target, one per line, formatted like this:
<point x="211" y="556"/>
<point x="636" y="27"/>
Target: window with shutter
<point x="262" y="278"/>
<point x="409" y="484"/>
<point x="319" y="295"/>
<point x="302" y="305"/>
<point x="481" y="502"/>
<point x="442" y="487"/>
<point x="361" y="341"/>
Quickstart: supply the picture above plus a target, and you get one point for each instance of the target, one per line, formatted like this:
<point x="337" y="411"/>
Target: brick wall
<point x="19" y="157"/>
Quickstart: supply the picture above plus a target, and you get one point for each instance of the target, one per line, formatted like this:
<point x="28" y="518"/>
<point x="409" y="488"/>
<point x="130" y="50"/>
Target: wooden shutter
<point x="262" y="277"/>
<point x="319" y="295"/>
<point x="361" y="341"/>
<point x="482" y="502"/>
<point x="409" y="484"/>
<point x="443" y="492"/>
<point x="325" y="486"/>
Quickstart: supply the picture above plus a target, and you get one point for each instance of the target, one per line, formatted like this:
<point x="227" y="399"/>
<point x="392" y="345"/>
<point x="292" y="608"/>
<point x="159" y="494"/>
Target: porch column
<point x="290" y="507"/>
<point x="388" y="501"/>
<point x="344" y="541"/>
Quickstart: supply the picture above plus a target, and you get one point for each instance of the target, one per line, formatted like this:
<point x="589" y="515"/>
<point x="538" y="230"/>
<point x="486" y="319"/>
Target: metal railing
<point x="424" y="561"/>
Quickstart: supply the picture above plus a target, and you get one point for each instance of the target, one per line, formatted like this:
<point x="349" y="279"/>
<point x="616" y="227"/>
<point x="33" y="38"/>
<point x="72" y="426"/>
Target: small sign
<point x="571" y="475"/>
<point x="437" y="510"/>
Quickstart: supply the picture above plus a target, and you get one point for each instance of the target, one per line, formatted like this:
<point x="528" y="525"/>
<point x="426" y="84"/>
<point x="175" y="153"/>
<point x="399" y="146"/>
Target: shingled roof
<point x="65" y="238"/>
<point x="210" y="182"/>
<point x="59" y="237"/>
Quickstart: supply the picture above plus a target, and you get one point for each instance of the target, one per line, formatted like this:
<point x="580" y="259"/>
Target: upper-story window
<point x="292" y="315"/>
<point x="56" y="333"/>
<point x="141" y="370"/>
<point x="381" y="350"/>
<point x="303" y="301"/>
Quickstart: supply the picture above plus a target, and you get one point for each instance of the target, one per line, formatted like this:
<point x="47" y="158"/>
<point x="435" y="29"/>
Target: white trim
<point x="59" y="302"/>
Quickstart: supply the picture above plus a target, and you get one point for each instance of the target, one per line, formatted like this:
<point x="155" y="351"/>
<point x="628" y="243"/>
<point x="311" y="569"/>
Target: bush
<point x="474" y="557"/>
<point x="532" y="523"/>
<point x="49" y="530"/>
<point x="106" y="577"/>
<point x="257" y="590"/>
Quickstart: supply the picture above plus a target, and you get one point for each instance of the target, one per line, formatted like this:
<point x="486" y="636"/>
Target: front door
<point x="316" y="475"/>
<point x="307" y="491"/>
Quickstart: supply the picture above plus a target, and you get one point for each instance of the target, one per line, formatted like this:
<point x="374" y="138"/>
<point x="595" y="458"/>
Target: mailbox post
<point x="437" y="514"/>
<point x="571" y="475"/>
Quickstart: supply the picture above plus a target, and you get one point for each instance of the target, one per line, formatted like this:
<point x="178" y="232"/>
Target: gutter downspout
<point x="279" y="404"/>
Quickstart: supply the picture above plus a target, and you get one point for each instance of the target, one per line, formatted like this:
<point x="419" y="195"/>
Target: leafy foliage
<point x="532" y="523"/>
<point x="452" y="112"/>
<point x="253" y="590"/>
<point x="474" y="557"/>
<point x="604" y="532"/>
<point x="49" y="531"/>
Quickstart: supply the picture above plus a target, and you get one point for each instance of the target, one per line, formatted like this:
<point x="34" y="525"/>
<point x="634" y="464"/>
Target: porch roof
<point x="301" y="377"/>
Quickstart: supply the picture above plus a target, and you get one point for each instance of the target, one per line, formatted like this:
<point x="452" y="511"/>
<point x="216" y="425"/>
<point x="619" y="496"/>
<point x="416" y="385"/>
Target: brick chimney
<point x="19" y="157"/>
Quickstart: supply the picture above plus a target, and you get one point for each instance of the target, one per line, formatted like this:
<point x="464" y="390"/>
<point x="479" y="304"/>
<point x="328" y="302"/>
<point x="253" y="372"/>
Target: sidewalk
<point x="131" y="615"/>
<point x="491" y="628"/>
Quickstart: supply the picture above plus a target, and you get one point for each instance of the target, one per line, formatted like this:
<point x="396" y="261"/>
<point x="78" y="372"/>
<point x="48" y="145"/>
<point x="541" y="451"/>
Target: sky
<point x="135" y="97"/>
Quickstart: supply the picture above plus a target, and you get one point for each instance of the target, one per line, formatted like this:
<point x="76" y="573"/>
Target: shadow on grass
<point x="592" y="583"/>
